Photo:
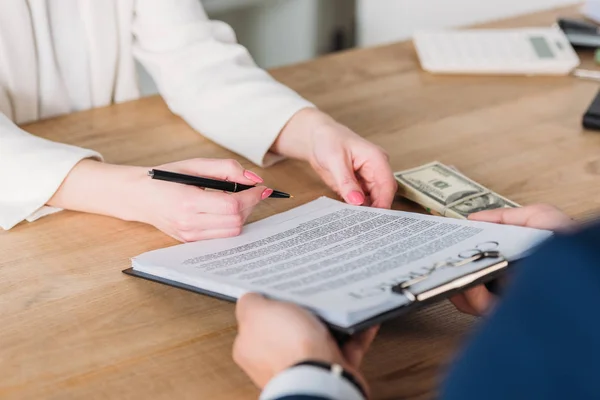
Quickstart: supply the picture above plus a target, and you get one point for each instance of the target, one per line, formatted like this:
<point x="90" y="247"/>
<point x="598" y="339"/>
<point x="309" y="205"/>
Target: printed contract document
<point x="337" y="260"/>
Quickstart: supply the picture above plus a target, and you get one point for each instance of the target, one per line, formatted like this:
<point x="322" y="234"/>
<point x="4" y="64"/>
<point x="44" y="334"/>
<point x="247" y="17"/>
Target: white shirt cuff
<point x="42" y="212"/>
<point x="311" y="381"/>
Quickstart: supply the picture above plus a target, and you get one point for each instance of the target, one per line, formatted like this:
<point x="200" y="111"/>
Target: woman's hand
<point x="478" y="300"/>
<point x="273" y="336"/>
<point x="184" y="212"/>
<point x="191" y="213"/>
<point x="356" y="169"/>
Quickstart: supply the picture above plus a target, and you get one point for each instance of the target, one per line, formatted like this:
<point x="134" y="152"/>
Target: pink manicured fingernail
<point x="266" y="193"/>
<point x="356" y="198"/>
<point x="253" y="177"/>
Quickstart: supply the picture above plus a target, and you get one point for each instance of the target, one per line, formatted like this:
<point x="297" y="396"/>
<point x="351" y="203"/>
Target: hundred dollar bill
<point x="445" y="191"/>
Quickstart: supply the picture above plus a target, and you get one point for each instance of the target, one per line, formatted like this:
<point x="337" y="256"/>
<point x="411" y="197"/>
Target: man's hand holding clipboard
<point x="478" y="300"/>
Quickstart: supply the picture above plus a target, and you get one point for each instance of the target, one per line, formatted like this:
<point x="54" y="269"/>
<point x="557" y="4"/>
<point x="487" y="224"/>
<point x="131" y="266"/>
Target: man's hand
<point x="273" y="336"/>
<point x="355" y="168"/>
<point x="478" y="300"/>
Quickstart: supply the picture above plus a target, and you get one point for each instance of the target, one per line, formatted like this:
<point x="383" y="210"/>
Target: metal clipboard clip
<point x="404" y="288"/>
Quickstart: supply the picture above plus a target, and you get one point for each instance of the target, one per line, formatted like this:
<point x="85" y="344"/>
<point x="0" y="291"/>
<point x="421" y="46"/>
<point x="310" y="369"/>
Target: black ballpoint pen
<point x="208" y="183"/>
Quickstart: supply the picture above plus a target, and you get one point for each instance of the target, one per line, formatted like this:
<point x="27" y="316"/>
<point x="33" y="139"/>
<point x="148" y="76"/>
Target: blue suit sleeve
<point x="543" y="340"/>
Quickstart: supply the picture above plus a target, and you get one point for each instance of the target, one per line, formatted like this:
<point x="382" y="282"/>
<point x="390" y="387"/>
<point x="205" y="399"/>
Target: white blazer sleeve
<point x="31" y="170"/>
<point x="210" y="80"/>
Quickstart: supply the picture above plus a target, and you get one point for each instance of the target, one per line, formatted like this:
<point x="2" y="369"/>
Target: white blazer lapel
<point x="100" y="21"/>
<point x="53" y="99"/>
<point x="18" y="70"/>
<point x="126" y="87"/>
<point x="5" y="103"/>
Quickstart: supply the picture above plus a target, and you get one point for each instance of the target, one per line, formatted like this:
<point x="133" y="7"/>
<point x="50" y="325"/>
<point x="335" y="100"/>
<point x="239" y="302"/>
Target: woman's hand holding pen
<point x="356" y="169"/>
<point x="184" y="212"/>
<point x="197" y="214"/>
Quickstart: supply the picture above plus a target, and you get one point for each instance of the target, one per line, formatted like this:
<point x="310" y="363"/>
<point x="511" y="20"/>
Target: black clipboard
<point x="487" y="275"/>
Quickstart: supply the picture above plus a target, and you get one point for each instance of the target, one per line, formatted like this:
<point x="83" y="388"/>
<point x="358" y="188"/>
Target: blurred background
<point x="282" y="32"/>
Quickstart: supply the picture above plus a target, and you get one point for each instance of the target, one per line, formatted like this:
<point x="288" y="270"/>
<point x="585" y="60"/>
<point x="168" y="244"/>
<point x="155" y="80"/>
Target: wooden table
<point x="74" y="327"/>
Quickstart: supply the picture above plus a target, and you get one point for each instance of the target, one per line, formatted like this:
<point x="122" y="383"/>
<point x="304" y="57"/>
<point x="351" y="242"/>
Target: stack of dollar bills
<point x="443" y="190"/>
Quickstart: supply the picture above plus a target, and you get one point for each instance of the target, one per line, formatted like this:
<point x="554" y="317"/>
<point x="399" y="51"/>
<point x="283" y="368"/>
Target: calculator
<point x="532" y="51"/>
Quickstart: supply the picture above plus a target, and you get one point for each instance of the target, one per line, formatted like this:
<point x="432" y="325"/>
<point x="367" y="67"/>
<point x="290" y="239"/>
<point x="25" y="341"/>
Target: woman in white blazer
<point x="60" y="56"/>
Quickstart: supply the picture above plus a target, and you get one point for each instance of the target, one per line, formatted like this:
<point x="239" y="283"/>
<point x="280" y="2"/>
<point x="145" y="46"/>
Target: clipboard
<point x="487" y="275"/>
